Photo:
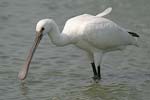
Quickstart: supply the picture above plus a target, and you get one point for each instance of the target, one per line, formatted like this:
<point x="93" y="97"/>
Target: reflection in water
<point x="24" y="90"/>
<point x="55" y="98"/>
<point x="107" y="92"/>
<point x="113" y="92"/>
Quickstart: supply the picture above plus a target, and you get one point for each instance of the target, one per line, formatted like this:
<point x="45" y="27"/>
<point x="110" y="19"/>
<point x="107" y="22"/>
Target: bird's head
<point x="43" y="27"/>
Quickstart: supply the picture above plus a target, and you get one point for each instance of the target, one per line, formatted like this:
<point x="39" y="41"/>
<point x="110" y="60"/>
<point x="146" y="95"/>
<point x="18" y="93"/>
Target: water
<point x="62" y="73"/>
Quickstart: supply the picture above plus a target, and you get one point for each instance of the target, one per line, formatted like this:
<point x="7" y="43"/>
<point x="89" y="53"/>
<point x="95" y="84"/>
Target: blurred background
<point x="62" y="73"/>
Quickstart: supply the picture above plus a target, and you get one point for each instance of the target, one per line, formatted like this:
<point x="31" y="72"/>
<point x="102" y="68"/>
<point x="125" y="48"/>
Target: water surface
<point x="62" y="73"/>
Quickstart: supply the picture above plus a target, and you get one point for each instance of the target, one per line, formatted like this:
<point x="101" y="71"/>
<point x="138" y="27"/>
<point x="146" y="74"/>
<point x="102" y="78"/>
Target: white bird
<point x="94" y="34"/>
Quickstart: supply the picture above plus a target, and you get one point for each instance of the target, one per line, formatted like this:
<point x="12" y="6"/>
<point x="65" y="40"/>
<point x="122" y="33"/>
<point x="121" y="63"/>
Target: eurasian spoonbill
<point x="94" y="34"/>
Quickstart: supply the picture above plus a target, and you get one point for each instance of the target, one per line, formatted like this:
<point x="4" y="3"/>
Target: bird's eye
<point x="42" y="29"/>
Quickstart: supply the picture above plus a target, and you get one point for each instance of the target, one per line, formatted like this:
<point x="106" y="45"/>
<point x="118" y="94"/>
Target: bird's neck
<point x="57" y="38"/>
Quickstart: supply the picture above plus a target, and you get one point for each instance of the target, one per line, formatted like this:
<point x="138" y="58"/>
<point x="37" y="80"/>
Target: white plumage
<point x="93" y="34"/>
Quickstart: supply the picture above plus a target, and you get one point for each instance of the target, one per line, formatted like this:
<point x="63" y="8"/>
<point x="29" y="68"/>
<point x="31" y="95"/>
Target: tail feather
<point x="134" y="34"/>
<point x="105" y="12"/>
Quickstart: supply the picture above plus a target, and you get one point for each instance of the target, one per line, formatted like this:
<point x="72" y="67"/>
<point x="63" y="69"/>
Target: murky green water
<point x="62" y="73"/>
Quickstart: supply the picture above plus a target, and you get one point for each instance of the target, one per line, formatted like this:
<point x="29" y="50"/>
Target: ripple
<point x="4" y="57"/>
<point x="6" y="17"/>
<point x="4" y="4"/>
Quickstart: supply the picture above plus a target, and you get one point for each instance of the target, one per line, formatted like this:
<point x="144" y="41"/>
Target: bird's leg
<point x="94" y="71"/>
<point x="97" y="60"/>
<point x="99" y="72"/>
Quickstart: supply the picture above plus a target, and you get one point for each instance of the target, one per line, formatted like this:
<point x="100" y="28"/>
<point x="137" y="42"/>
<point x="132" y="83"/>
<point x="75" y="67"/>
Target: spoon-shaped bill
<point x="24" y="71"/>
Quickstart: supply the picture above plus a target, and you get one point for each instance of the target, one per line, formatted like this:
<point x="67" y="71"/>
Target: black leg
<point x="99" y="72"/>
<point x="94" y="71"/>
